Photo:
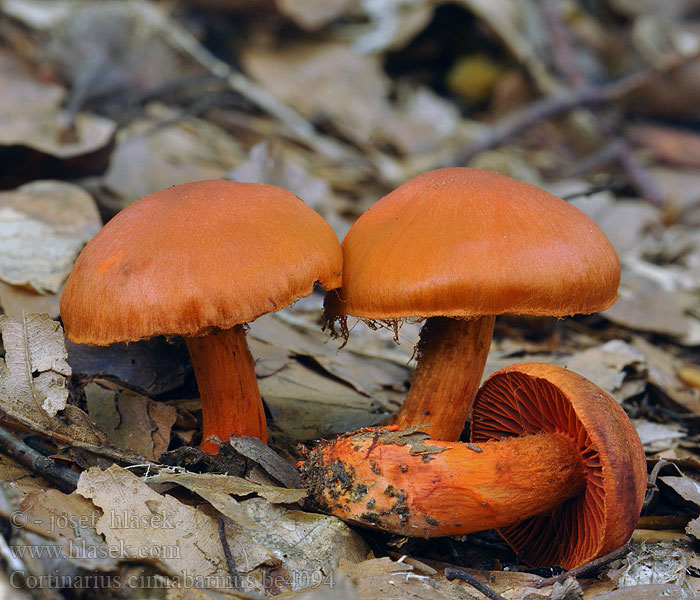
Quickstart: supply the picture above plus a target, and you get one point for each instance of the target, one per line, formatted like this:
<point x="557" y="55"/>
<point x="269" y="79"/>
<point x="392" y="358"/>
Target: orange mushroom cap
<point x="194" y="257"/>
<point x="530" y="398"/>
<point x="464" y="242"/>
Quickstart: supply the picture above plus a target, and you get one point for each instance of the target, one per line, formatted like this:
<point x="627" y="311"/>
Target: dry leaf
<point x="685" y="487"/>
<point x="33" y="379"/>
<point x="37" y="138"/>
<point x="615" y="366"/>
<point x="43" y="227"/>
<point x="287" y="548"/>
<point x="657" y="436"/>
<point x="70" y="519"/>
<point x="311" y="389"/>
<point x="267" y="459"/>
<point x="167" y="149"/>
<point x="33" y="374"/>
<point x="652" y="564"/>
<point x="307" y="545"/>
<point x="693" y="528"/>
<point x="355" y="103"/>
<point x="179" y="540"/>
<point x="662" y="368"/>
<point x="218" y="489"/>
<point x="134" y="423"/>
<point x="15" y="301"/>
<point x="669" y="144"/>
<point x="645" y="306"/>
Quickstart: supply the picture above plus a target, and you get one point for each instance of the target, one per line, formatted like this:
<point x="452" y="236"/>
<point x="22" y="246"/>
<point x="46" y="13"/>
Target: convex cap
<point x="194" y="257"/>
<point x="464" y="242"/>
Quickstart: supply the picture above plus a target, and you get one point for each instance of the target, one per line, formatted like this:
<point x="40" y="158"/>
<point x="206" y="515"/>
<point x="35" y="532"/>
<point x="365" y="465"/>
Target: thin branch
<point x="589" y="567"/>
<point x="302" y="130"/>
<point x="60" y="438"/>
<point x="636" y="174"/>
<point x="230" y="563"/>
<point x="472" y="581"/>
<point x="65" y="479"/>
<point x="553" y="106"/>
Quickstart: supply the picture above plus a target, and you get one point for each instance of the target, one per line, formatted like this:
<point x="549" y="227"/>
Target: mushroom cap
<point x="194" y="257"/>
<point x="529" y="398"/>
<point x="463" y="242"/>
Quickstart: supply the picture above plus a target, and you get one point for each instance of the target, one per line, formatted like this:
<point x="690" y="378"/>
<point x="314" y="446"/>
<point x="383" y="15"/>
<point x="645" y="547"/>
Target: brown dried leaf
<point x="298" y="539"/>
<point x="33" y="130"/>
<point x="219" y="489"/>
<point x="669" y="144"/>
<point x="354" y="103"/>
<point x="43" y="227"/>
<point x="291" y="546"/>
<point x="71" y="520"/>
<point x="311" y="390"/>
<point x="131" y="422"/>
<point x="685" y="487"/>
<point x="14" y="301"/>
<point x="23" y="92"/>
<point x="663" y="374"/>
<point x="151" y="155"/>
<point x="37" y="139"/>
<point x="615" y="366"/>
<point x="33" y="379"/>
<point x="266" y="459"/>
<point x="34" y="372"/>
<point x="178" y="539"/>
<point x="693" y="528"/>
<point x="645" y="306"/>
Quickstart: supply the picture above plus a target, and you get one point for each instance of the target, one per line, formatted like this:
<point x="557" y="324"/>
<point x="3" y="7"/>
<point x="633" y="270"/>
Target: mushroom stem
<point x="225" y="372"/>
<point x="406" y="484"/>
<point x="451" y="358"/>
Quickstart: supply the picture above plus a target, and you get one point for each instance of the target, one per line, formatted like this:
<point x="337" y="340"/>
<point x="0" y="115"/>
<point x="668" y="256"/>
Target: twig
<point x="636" y="174"/>
<point x="639" y="178"/>
<point x="472" y="581"/>
<point x="562" y="42"/>
<point x="589" y="567"/>
<point x="651" y="482"/>
<point x="65" y="478"/>
<point x="180" y="38"/>
<point x="230" y="563"/>
<point x="593" y="190"/>
<point x="553" y="106"/>
<point x="60" y="438"/>
<point x="607" y="154"/>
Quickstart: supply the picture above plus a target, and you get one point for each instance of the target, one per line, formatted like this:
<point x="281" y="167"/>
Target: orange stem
<point x="451" y="358"/>
<point x="403" y="483"/>
<point x="225" y="372"/>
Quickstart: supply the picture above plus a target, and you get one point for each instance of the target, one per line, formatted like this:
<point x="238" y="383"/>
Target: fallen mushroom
<point x="457" y="247"/>
<point x="553" y="461"/>
<point x="200" y="260"/>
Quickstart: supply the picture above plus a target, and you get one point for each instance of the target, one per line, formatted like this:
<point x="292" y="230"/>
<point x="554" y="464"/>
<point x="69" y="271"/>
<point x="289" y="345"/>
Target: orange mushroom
<point x="459" y="246"/>
<point x="554" y="461"/>
<point x="200" y="260"/>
